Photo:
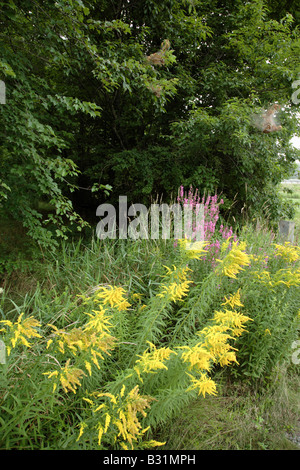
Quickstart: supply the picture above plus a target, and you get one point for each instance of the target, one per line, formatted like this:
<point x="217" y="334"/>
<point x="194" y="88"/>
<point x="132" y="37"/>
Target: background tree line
<point x="129" y="97"/>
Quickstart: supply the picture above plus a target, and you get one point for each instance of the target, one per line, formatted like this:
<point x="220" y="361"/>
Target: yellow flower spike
<point x="203" y="384"/>
<point x="114" y="296"/>
<point x="107" y="422"/>
<point x="154" y="443"/>
<point x="234" y="300"/>
<point x="22" y="330"/>
<point x="226" y="358"/>
<point x="68" y="376"/>
<point x="88" y="367"/>
<point x="152" y="360"/>
<point x="234" y="261"/>
<point x="177" y="289"/>
<point x="100" y="407"/>
<point x="6" y="322"/>
<point x="51" y="374"/>
<point x="100" y="433"/>
<point x="193" y="250"/>
<point x="124" y="446"/>
<point x="88" y="401"/>
<point x="231" y="318"/>
<point x="119" y="414"/>
<point x="198" y="356"/>
<point x="288" y="252"/>
<point x="99" y="321"/>
<point x="82" y="427"/>
<point x="169" y="270"/>
<point x="145" y="430"/>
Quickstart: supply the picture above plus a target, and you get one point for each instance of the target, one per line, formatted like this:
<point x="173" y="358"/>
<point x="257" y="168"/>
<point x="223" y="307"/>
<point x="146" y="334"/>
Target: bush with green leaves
<point x="87" y="110"/>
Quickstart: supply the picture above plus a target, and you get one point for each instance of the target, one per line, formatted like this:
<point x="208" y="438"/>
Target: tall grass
<point x="160" y="342"/>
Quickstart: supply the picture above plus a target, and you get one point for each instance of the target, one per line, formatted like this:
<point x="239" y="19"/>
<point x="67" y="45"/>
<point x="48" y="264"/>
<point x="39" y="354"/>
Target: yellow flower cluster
<point x="178" y="286"/>
<point x="93" y="339"/>
<point x="234" y="261"/>
<point x="282" y="276"/>
<point x="234" y="300"/>
<point x="216" y="341"/>
<point x="20" y="331"/>
<point x="113" y="296"/>
<point x="233" y="318"/>
<point x="214" y="347"/>
<point x="197" y="356"/>
<point x="193" y="250"/>
<point x="203" y="384"/>
<point x="288" y="252"/>
<point x="152" y="360"/>
<point x="121" y="413"/>
<point x="68" y="376"/>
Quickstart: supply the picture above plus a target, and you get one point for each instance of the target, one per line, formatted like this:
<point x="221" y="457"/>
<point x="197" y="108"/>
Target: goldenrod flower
<point x="198" y="356"/>
<point x="234" y="261"/>
<point x="137" y="296"/>
<point x="193" y="250"/>
<point x="234" y="320"/>
<point x="177" y="289"/>
<point x="204" y="385"/>
<point x="226" y="358"/>
<point x="114" y="296"/>
<point x="177" y="273"/>
<point x="99" y="321"/>
<point x="288" y="252"/>
<point x="282" y="276"/>
<point x="152" y="360"/>
<point x="215" y="334"/>
<point x="21" y="331"/>
<point x="92" y="339"/>
<point x="82" y="427"/>
<point x="153" y="443"/>
<point x="234" y="300"/>
<point x="88" y="367"/>
<point x="119" y="413"/>
<point x="74" y="339"/>
<point x="100" y="433"/>
<point x="68" y="376"/>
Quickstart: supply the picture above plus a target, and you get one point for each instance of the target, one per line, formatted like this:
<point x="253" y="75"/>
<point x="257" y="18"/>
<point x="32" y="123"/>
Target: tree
<point x="57" y="82"/>
<point x="141" y="97"/>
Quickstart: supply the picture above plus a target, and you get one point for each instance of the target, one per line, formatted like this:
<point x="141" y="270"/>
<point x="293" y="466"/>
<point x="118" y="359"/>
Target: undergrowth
<point x="116" y="338"/>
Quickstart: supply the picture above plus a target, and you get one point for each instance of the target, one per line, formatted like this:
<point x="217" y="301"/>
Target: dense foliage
<point x="109" y="98"/>
<point x="99" y="358"/>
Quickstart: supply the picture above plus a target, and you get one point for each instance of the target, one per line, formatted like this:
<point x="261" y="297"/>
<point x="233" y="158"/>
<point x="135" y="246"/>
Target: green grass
<point x="291" y="192"/>
<point x="240" y="417"/>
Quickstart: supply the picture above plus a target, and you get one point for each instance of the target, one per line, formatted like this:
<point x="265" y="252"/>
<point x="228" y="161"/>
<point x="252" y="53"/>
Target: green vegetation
<point x="102" y="96"/>
<point x="122" y="295"/>
<point x="241" y="418"/>
<point x="291" y="193"/>
<point x="133" y="344"/>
